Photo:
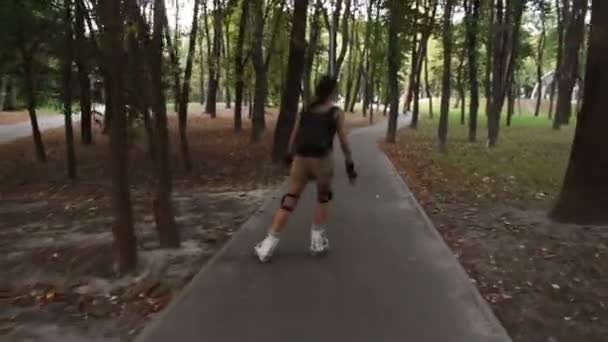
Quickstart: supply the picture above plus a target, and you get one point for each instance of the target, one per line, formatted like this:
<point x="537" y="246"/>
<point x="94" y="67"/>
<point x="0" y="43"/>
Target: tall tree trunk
<point x="67" y="89"/>
<point x="507" y="22"/>
<point x="421" y="54"/>
<point x="351" y="63"/>
<point x="585" y="190"/>
<point x="291" y="93"/>
<point x="427" y="84"/>
<point x="201" y="67"/>
<point x="570" y="63"/>
<point x="511" y="104"/>
<point x="261" y="74"/>
<point x="31" y="107"/>
<point x="213" y="59"/>
<point x="333" y="39"/>
<point x="313" y="41"/>
<point x="461" y="90"/>
<point x="415" y="43"/>
<point x="125" y="247"/>
<point x="168" y="234"/>
<point x="394" y="52"/>
<point x="442" y="131"/>
<point x="239" y="68"/>
<point x="539" y="63"/>
<point x="345" y="37"/>
<point x="3" y="89"/>
<point x="86" y="134"/>
<point x="357" y="87"/>
<point x="489" y="54"/>
<point x="173" y="47"/>
<point x="472" y="8"/>
<point x="228" y="56"/>
<point x="185" y="92"/>
<point x="561" y="28"/>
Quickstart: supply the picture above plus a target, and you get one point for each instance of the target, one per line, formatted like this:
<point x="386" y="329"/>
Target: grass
<point x="529" y="161"/>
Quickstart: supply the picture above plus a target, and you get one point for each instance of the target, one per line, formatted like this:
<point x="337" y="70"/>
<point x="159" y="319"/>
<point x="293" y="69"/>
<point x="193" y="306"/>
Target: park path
<point x="389" y="276"/>
<point x="16" y="131"/>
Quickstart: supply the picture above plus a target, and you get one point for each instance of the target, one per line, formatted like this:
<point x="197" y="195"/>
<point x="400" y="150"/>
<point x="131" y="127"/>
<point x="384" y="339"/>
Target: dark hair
<point x="324" y="90"/>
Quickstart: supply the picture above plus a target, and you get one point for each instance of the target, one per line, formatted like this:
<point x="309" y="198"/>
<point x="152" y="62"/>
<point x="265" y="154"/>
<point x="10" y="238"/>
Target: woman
<point x="312" y="144"/>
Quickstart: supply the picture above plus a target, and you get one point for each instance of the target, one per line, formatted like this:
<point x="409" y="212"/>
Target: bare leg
<point x="321" y="211"/>
<point x="280" y="218"/>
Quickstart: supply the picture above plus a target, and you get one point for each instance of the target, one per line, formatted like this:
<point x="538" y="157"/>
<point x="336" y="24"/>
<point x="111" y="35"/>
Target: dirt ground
<point x="55" y="235"/>
<point x="546" y="281"/>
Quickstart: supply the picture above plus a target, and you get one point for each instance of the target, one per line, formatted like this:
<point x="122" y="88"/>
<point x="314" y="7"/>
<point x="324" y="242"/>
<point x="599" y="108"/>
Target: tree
<point x="67" y="88"/>
<point x="185" y="91"/>
<point x="394" y="53"/>
<point x="539" y="59"/>
<point x="168" y="233"/>
<point x="585" y="190"/>
<point x="213" y="58"/>
<point x="313" y="41"/>
<point x="261" y="80"/>
<point x="32" y="24"/>
<point x="445" y="84"/>
<point x="86" y="134"/>
<point x="561" y="12"/>
<point x="472" y="17"/>
<point x="125" y="248"/>
<point x="291" y="93"/>
<point x="239" y="67"/>
<point x="506" y="25"/>
<point x="430" y="9"/>
<point x="568" y="72"/>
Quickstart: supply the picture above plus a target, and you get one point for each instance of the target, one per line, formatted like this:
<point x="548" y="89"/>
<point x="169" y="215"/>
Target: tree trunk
<point x="313" y="40"/>
<point x="415" y="43"/>
<point x="472" y="8"/>
<point x="570" y="63"/>
<point x="86" y="134"/>
<point x="239" y="68"/>
<point x="506" y="28"/>
<point x="213" y="59"/>
<point x="261" y="74"/>
<point x="227" y="78"/>
<point x="394" y="52"/>
<point x="125" y="247"/>
<point x="333" y="39"/>
<point x="185" y="92"/>
<point x="539" y="64"/>
<point x="67" y="89"/>
<point x="561" y="27"/>
<point x="291" y="93"/>
<point x="442" y="131"/>
<point x="173" y="47"/>
<point x="585" y="190"/>
<point x="345" y="37"/>
<point x="201" y="66"/>
<point x="511" y="104"/>
<point x="429" y="93"/>
<point x="489" y="60"/>
<point x="3" y="89"/>
<point x="168" y="234"/>
<point x="351" y="64"/>
<point x="30" y="94"/>
<point x="461" y="91"/>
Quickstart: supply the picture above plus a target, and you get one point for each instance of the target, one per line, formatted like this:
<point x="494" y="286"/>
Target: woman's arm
<point x="343" y="137"/>
<point x="292" y="137"/>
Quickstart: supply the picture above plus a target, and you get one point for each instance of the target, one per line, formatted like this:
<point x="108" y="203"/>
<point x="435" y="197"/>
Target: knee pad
<point x="325" y="195"/>
<point x="287" y="206"/>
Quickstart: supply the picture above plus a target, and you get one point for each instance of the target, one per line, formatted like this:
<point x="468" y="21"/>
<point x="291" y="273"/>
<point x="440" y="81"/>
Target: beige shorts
<point x="306" y="169"/>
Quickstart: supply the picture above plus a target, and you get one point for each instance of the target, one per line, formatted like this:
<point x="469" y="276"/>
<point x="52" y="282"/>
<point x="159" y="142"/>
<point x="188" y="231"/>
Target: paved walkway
<point x="389" y="276"/>
<point x="12" y="132"/>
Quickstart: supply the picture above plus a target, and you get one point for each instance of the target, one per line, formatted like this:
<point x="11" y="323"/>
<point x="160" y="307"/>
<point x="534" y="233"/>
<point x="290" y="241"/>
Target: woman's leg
<point x="324" y="196"/>
<point x="288" y="204"/>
